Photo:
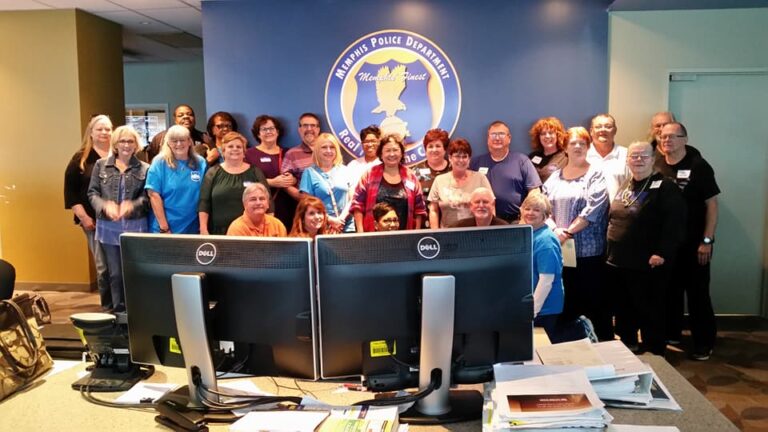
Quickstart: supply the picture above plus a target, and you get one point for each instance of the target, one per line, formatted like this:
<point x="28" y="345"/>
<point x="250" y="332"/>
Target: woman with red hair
<point x="546" y="142"/>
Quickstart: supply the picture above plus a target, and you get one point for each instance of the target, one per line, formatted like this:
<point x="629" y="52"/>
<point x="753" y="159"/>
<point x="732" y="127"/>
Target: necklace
<point x="626" y="194"/>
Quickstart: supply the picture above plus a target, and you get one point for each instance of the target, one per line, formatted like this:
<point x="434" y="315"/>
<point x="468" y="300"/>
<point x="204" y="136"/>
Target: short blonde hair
<point x="325" y="136"/>
<point x="122" y="131"/>
<point x="234" y="136"/>
<point x="540" y="200"/>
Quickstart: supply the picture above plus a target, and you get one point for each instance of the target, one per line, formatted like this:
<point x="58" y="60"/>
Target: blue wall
<point x="516" y="60"/>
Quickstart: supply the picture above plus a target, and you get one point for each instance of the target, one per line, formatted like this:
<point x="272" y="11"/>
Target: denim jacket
<point x="105" y="185"/>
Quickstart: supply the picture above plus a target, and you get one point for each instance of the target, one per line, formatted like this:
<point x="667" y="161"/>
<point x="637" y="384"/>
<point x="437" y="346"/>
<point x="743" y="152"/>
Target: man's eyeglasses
<point x="672" y="136"/>
<point x="498" y="134"/>
<point x="309" y="126"/>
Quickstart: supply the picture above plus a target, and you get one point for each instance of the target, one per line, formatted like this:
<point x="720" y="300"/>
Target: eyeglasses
<point x="267" y="129"/>
<point x="223" y="126"/>
<point x="390" y="221"/>
<point x="371" y="141"/>
<point x="498" y="134"/>
<point x="672" y="136"/>
<point x="126" y="141"/>
<point x="309" y="126"/>
<point x="639" y="157"/>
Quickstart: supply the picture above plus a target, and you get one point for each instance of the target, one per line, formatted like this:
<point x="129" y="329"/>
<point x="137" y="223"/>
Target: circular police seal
<point x="205" y="253"/>
<point x="428" y="248"/>
<point x="397" y="80"/>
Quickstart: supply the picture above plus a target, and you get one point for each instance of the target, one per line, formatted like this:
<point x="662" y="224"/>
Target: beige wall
<point x="644" y="46"/>
<point x="49" y="89"/>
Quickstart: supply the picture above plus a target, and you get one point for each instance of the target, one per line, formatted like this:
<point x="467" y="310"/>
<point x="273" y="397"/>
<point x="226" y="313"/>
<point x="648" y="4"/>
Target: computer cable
<point x="85" y="392"/>
<point x="434" y="383"/>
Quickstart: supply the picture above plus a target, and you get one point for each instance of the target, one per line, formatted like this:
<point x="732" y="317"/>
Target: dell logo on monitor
<point x="428" y="247"/>
<point x="206" y="253"/>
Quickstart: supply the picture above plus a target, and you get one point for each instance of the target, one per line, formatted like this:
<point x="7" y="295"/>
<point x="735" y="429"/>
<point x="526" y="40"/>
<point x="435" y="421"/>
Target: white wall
<point x="167" y="83"/>
<point x="644" y="46"/>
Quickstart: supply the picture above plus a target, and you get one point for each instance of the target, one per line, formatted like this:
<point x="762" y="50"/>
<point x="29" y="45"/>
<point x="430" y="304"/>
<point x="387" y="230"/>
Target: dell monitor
<point x="460" y="299"/>
<point x="258" y="301"/>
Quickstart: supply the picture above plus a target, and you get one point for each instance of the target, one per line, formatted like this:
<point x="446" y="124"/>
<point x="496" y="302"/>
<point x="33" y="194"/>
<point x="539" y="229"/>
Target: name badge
<point x="483" y="170"/>
<point x="195" y="176"/>
<point x="536" y="159"/>
<point x="266" y="159"/>
<point x="655" y="184"/>
<point x="409" y="185"/>
<point x="425" y="171"/>
<point x="247" y="183"/>
<point x="683" y="174"/>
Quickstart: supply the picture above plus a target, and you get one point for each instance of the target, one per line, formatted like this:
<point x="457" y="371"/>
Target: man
<point x="299" y="158"/>
<point x="696" y="179"/>
<point x="511" y="174"/>
<point x="255" y="221"/>
<point x="183" y="115"/>
<point x="658" y="121"/>
<point x="481" y="204"/>
<point x="606" y="155"/>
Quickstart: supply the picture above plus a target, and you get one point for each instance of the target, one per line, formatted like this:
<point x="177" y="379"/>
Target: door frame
<point x="732" y="71"/>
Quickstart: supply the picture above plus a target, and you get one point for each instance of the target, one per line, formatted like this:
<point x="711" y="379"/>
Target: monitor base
<point x="466" y="405"/>
<point x="107" y="379"/>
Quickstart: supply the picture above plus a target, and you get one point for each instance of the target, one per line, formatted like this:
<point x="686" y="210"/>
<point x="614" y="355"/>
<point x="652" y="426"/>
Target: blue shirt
<point x="511" y="179"/>
<point x="180" y="190"/>
<point x="548" y="259"/>
<point x="317" y="183"/>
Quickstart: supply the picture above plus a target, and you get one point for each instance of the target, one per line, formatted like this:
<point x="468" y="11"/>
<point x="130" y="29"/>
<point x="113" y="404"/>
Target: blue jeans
<point x="102" y="275"/>
<point x="115" y="267"/>
<point x="560" y="329"/>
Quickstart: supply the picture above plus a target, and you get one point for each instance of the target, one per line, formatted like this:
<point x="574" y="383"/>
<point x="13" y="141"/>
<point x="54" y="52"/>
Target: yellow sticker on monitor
<point x="381" y="349"/>
<point x="173" y="346"/>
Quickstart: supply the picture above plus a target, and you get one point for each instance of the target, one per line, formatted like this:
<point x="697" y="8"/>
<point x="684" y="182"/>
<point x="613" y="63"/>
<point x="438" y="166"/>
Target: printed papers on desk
<point x="535" y="396"/>
<point x="616" y="374"/>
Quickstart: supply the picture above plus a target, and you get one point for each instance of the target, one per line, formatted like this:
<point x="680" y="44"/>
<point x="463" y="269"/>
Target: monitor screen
<point x="369" y="299"/>
<point x="260" y="293"/>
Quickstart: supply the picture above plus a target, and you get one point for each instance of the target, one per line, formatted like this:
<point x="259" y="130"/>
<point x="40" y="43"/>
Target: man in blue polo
<point x="511" y="174"/>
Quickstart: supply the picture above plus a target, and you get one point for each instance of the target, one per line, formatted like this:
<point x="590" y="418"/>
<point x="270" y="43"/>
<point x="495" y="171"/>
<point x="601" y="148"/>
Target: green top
<point x="221" y="196"/>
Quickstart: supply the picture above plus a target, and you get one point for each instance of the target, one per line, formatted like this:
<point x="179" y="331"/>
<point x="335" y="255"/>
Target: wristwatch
<point x="708" y="240"/>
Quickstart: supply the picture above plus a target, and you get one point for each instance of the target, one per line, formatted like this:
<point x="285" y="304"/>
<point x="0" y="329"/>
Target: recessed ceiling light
<point x="145" y="23"/>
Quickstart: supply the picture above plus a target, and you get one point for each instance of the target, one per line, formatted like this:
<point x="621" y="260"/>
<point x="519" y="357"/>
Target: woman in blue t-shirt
<point x="173" y="184"/>
<point x="548" y="293"/>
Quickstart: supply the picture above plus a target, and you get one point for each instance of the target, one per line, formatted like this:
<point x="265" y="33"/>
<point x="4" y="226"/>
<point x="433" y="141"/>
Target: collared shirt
<point x="613" y="165"/>
<point x="296" y="160"/>
<point x="243" y="226"/>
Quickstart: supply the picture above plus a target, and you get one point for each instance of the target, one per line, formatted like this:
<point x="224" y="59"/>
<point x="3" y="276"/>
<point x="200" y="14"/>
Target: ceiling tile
<point x="133" y="22"/>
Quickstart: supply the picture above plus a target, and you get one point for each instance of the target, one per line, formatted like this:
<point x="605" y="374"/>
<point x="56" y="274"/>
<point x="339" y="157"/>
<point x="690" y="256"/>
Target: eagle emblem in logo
<point x="397" y="80"/>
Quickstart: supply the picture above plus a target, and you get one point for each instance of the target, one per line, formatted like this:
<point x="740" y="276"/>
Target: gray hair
<point x="253" y="187"/>
<point x="480" y="190"/>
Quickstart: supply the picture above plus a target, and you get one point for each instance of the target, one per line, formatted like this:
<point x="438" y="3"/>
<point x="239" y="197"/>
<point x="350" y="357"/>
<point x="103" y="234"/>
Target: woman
<point x="579" y="198"/>
<point x="385" y="217"/>
<point x="435" y="145"/>
<point x="370" y="139"/>
<point x="391" y="182"/>
<point x="328" y="179"/>
<point x="450" y="194"/>
<point x="173" y="184"/>
<point x="219" y="124"/>
<point x="255" y="221"/>
<point x="645" y="228"/>
<point x="311" y="218"/>
<point x="77" y="178"/>
<point x="547" y="143"/>
<point x="117" y="195"/>
<point x="222" y="190"/>
<point x="547" y="275"/>
<point x="268" y="157"/>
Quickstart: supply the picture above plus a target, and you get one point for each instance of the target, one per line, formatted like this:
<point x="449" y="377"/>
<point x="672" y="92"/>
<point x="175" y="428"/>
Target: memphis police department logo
<point x="398" y="80"/>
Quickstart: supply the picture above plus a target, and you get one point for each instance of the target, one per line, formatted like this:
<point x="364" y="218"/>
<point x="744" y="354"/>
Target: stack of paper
<point x="530" y="397"/>
<point x="355" y="418"/>
<point x="616" y="374"/>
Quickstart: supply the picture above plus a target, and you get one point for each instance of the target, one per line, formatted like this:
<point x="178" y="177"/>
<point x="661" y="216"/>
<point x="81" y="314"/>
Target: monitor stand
<point x="442" y="405"/>
<point x="190" y="303"/>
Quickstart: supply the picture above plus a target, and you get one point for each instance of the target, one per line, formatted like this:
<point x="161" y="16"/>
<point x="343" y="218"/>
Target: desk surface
<point x="51" y="405"/>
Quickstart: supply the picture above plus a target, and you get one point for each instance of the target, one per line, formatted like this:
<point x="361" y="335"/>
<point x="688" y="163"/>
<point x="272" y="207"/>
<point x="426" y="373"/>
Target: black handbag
<point x="23" y="357"/>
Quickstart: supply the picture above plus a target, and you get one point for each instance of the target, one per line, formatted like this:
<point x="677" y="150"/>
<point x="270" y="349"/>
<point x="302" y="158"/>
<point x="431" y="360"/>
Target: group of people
<point x="621" y="211"/>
